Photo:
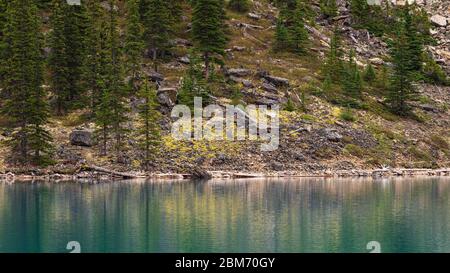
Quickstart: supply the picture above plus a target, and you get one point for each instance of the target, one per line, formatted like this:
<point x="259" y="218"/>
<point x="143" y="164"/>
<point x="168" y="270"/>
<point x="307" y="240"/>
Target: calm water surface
<point x="308" y="215"/>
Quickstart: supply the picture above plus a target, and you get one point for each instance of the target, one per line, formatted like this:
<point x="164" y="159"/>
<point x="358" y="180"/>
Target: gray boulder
<point x="277" y="81"/>
<point x="238" y="72"/>
<point x="81" y="138"/>
<point x="153" y="76"/>
<point x="331" y="134"/>
<point x="167" y="96"/>
<point x="269" y="87"/>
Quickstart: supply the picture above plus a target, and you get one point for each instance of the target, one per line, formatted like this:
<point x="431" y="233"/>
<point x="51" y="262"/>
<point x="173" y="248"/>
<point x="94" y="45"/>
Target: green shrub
<point x="347" y="115"/>
<point x="354" y="150"/>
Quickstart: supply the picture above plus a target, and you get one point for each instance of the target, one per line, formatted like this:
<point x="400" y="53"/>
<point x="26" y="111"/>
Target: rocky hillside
<point x="316" y="137"/>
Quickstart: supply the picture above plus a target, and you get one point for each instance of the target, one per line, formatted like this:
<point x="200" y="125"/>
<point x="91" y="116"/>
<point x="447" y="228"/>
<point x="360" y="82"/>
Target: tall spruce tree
<point x="328" y="8"/>
<point x="333" y="66"/>
<point x="360" y="12"/>
<point x="58" y="59"/>
<point x="96" y="52"/>
<point x="208" y="30"/>
<point x="369" y="74"/>
<point x="158" y="28"/>
<point x="352" y="83"/>
<point x="68" y="56"/>
<point x="414" y="40"/>
<point x="401" y="91"/>
<point x="3" y="42"/>
<point x="148" y="130"/>
<point x="133" y="44"/>
<point x="112" y="109"/>
<point x="298" y="36"/>
<point x="26" y="104"/>
<point x="239" y="5"/>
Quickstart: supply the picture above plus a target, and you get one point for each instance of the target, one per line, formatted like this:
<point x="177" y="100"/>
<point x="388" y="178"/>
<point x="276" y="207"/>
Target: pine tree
<point x="333" y="66"/>
<point x="352" y="84"/>
<point x="176" y="10"/>
<point x="298" y="36"/>
<point x="26" y="105"/>
<point x="68" y="56"/>
<point x="239" y="5"/>
<point x="158" y="28"/>
<point x="3" y="42"/>
<point x="290" y="32"/>
<point x="281" y="36"/>
<point x="97" y="53"/>
<point x="401" y="90"/>
<point x="208" y="30"/>
<point x="133" y="44"/>
<point x="369" y="74"/>
<point x="360" y="12"/>
<point x="149" y="129"/>
<point x="58" y="63"/>
<point x="193" y="84"/>
<point x="329" y="8"/>
<point x="414" y="41"/>
<point x="111" y="111"/>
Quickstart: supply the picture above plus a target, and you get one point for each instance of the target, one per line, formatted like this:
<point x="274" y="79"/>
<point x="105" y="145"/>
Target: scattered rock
<point x="277" y="166"/>
<point x="331" y="134"/>
<point x="439" y="20"/>
<point x="277" y="81"/>
<point x="376" y="61"/>
<point x="247" y="84"/>
<point x="199" y="173"/>
<point x="254" y="16"/>
<point x="184" y="60"/>
<point x="167" y="96"/>
<point x="238" y="72"/>
<point x="180" y="42"/>
<point x="269" y="87"/>
<point x="238" y="48"/>
<point x="153" y="76"/>
<point x="81" y="138"/>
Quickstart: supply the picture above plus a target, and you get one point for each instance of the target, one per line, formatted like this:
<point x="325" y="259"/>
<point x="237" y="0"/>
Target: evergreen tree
<point x="26" y="104"/>
<point x="360" y="11"/>
<point x="3" y="42"/>
<point x="112" y="109"/>
<point x="176" y="9"/>
<point x="352" y="83"/>
<point x="281" y="36"/>
<point x="149" y="130"/>
<point x="97" y="53"/>
<point x="239" y="5"/>
<point x="369" y="74"/>
<point x="158" y="28"/>
<point x="401" y="90"/>
<point x="193" y="84"/>
<point x="329" y="8"/>
<point x="133" y="44"/>
<point x="333" y="66"/>
<point x="208" y="30"/>
<point x="290" y="32"/>
<point x="414" y="41"/>
<point x="298" y="36"/>
<point x="58" y="63"/>
<point x="68" y="55"/>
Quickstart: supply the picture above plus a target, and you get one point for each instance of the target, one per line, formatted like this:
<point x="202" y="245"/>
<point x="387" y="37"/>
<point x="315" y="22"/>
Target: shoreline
<point x="98" y="176"/>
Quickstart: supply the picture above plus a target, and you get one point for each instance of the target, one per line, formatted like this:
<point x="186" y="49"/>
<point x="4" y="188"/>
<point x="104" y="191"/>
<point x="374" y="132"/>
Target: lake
<point x="260" y="215"/>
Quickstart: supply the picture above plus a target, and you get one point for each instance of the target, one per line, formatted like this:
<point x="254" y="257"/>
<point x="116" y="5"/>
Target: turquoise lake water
<point x="289" y="215"/>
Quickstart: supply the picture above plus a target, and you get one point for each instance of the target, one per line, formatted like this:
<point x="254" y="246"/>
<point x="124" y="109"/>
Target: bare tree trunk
<point x="155" y="56"/>
<point x="206" y="56"/>
<point x="104" y="141"/>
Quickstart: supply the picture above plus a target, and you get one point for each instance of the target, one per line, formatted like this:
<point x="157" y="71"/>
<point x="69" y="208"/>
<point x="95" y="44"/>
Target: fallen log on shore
<point x="113" y="173"/>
